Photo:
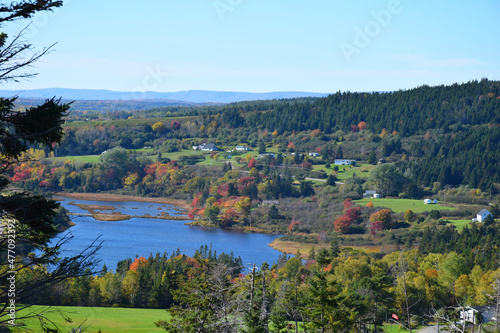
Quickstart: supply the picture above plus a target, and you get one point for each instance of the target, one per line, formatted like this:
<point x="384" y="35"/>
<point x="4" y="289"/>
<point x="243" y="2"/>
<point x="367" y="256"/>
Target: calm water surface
<point x="145" y="236"/>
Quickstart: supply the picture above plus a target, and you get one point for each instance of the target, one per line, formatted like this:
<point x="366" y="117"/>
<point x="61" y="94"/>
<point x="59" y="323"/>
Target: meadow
<point x="347" y="171"/>
<point x="402" y="205"/>
<point x="97" y="319"/>
<point x="83" y="159"/>
<point x="460" y="224"/>
<point x="113" y="320"/>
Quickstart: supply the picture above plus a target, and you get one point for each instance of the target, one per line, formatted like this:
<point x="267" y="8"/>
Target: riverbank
<point x="96" y="212"/>
<point x="119" y="197"/>
<point x="305" y="249"/>
<point x="293" y="248"/>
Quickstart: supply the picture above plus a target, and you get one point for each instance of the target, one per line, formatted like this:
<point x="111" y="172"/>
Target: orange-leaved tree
<point x="383" y="216"/>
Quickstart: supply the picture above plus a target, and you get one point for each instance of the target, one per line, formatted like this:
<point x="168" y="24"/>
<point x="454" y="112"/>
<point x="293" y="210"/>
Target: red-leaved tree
<point x="344" y="222"/>
<point x="347" y="204"/>
<point x="252" y="163"/>
<point x="292" y="225"/>
<point x="175" y="125"/>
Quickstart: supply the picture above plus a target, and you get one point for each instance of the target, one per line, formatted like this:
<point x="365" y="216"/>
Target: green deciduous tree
<point x="387" y="179"/>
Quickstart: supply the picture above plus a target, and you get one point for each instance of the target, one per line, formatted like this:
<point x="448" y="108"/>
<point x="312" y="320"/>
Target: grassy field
<point x="108" y="320"/>
<point x="402" y="205"/>
<point x="460" y="224"/>
<point x="346" y="171"/>
<point x="394" y="328"/>
<point x="85" y="158"/>
<point x="174" y="156"/>
<point x="105" y="320"/>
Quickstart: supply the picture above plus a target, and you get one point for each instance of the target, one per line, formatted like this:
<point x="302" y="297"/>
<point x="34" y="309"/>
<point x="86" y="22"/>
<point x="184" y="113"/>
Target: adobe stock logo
<point x="151" y="81"/>
<point x="42" y="20"/>
<point x="372" y="29"/>
<point x="223" y="6"/>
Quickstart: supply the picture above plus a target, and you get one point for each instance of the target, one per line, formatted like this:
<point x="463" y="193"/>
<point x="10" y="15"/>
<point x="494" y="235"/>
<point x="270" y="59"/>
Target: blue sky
<point x="264" y="45"/>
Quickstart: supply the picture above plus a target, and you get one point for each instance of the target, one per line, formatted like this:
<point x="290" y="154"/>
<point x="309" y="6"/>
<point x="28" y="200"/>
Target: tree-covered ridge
<point x="470" y="157"/>
<point x="408" y="112"/>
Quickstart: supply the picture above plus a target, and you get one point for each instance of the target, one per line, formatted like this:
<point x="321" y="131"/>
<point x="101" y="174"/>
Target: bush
<point x="435" y="214"/>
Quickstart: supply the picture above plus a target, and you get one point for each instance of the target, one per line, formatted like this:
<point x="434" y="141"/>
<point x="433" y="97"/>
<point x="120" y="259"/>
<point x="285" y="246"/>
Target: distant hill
<point x="109" y="105"/>
<point x="190" y="96"/>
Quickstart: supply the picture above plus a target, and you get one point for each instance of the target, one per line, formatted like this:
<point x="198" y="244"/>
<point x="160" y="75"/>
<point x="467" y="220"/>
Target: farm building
<point x="206" y="147"/>
<point x="345" y="162"/>
<point x="242" y="148"/>
<point x="430" y="201"/>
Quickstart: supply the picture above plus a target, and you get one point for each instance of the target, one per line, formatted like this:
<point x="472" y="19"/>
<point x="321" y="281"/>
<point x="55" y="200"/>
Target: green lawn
<point x="460" y="224"/>
<point x="394" y="328"/>
<point x="85" y="158"/>
<point x="174" y="156"/>
<point x="346" y="171"/>
<point x="402" y="205"/>
<point x="108" y="320"/>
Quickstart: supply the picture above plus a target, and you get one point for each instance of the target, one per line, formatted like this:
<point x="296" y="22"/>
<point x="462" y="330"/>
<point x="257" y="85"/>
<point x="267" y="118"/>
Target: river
<point x="145" y="236"/>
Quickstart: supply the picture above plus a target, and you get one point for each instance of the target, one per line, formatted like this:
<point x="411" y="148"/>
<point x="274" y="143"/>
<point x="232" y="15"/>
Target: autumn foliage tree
<point x="292" y="224"/>
<point x="315" y="133"/>
<point x="347" y="203"/>
<point x="252" y="163"/>
<point x="344" y="222"/>
<point x="138" y="262"/>
<point x="159" y="127"/>
<point x="175" y="125"/>
<point x="384" y="217"/>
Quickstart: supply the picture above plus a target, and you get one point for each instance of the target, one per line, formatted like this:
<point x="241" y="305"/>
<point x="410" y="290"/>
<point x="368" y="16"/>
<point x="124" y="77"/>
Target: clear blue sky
<point x="264" y="45"/>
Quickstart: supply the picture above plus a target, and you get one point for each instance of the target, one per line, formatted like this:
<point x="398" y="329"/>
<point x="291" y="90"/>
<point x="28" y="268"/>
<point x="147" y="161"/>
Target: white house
<point x="482" y="215"/>
<point x="206" y="147"/>
<point x="469" y="314"/>
<point x="314" y="154"/>
<point x="242" y="148"/>
<point x="345" y="162"/>
<point x="369" y="194"/>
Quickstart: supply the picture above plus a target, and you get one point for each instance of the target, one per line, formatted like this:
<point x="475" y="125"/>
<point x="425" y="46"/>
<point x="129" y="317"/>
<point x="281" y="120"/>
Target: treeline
<point x="335" y="291"/>
<point x="139" y="283"/>
<point x="408" y="112"/>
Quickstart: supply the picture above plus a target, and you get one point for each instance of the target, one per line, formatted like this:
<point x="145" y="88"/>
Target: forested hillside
<point x="408" y="112"/>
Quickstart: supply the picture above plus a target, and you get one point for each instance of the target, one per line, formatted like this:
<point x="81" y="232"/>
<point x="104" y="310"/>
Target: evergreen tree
<point x="30" y="217"/>
<point x="330" y="181"/>
<point x="274" y="213"/>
